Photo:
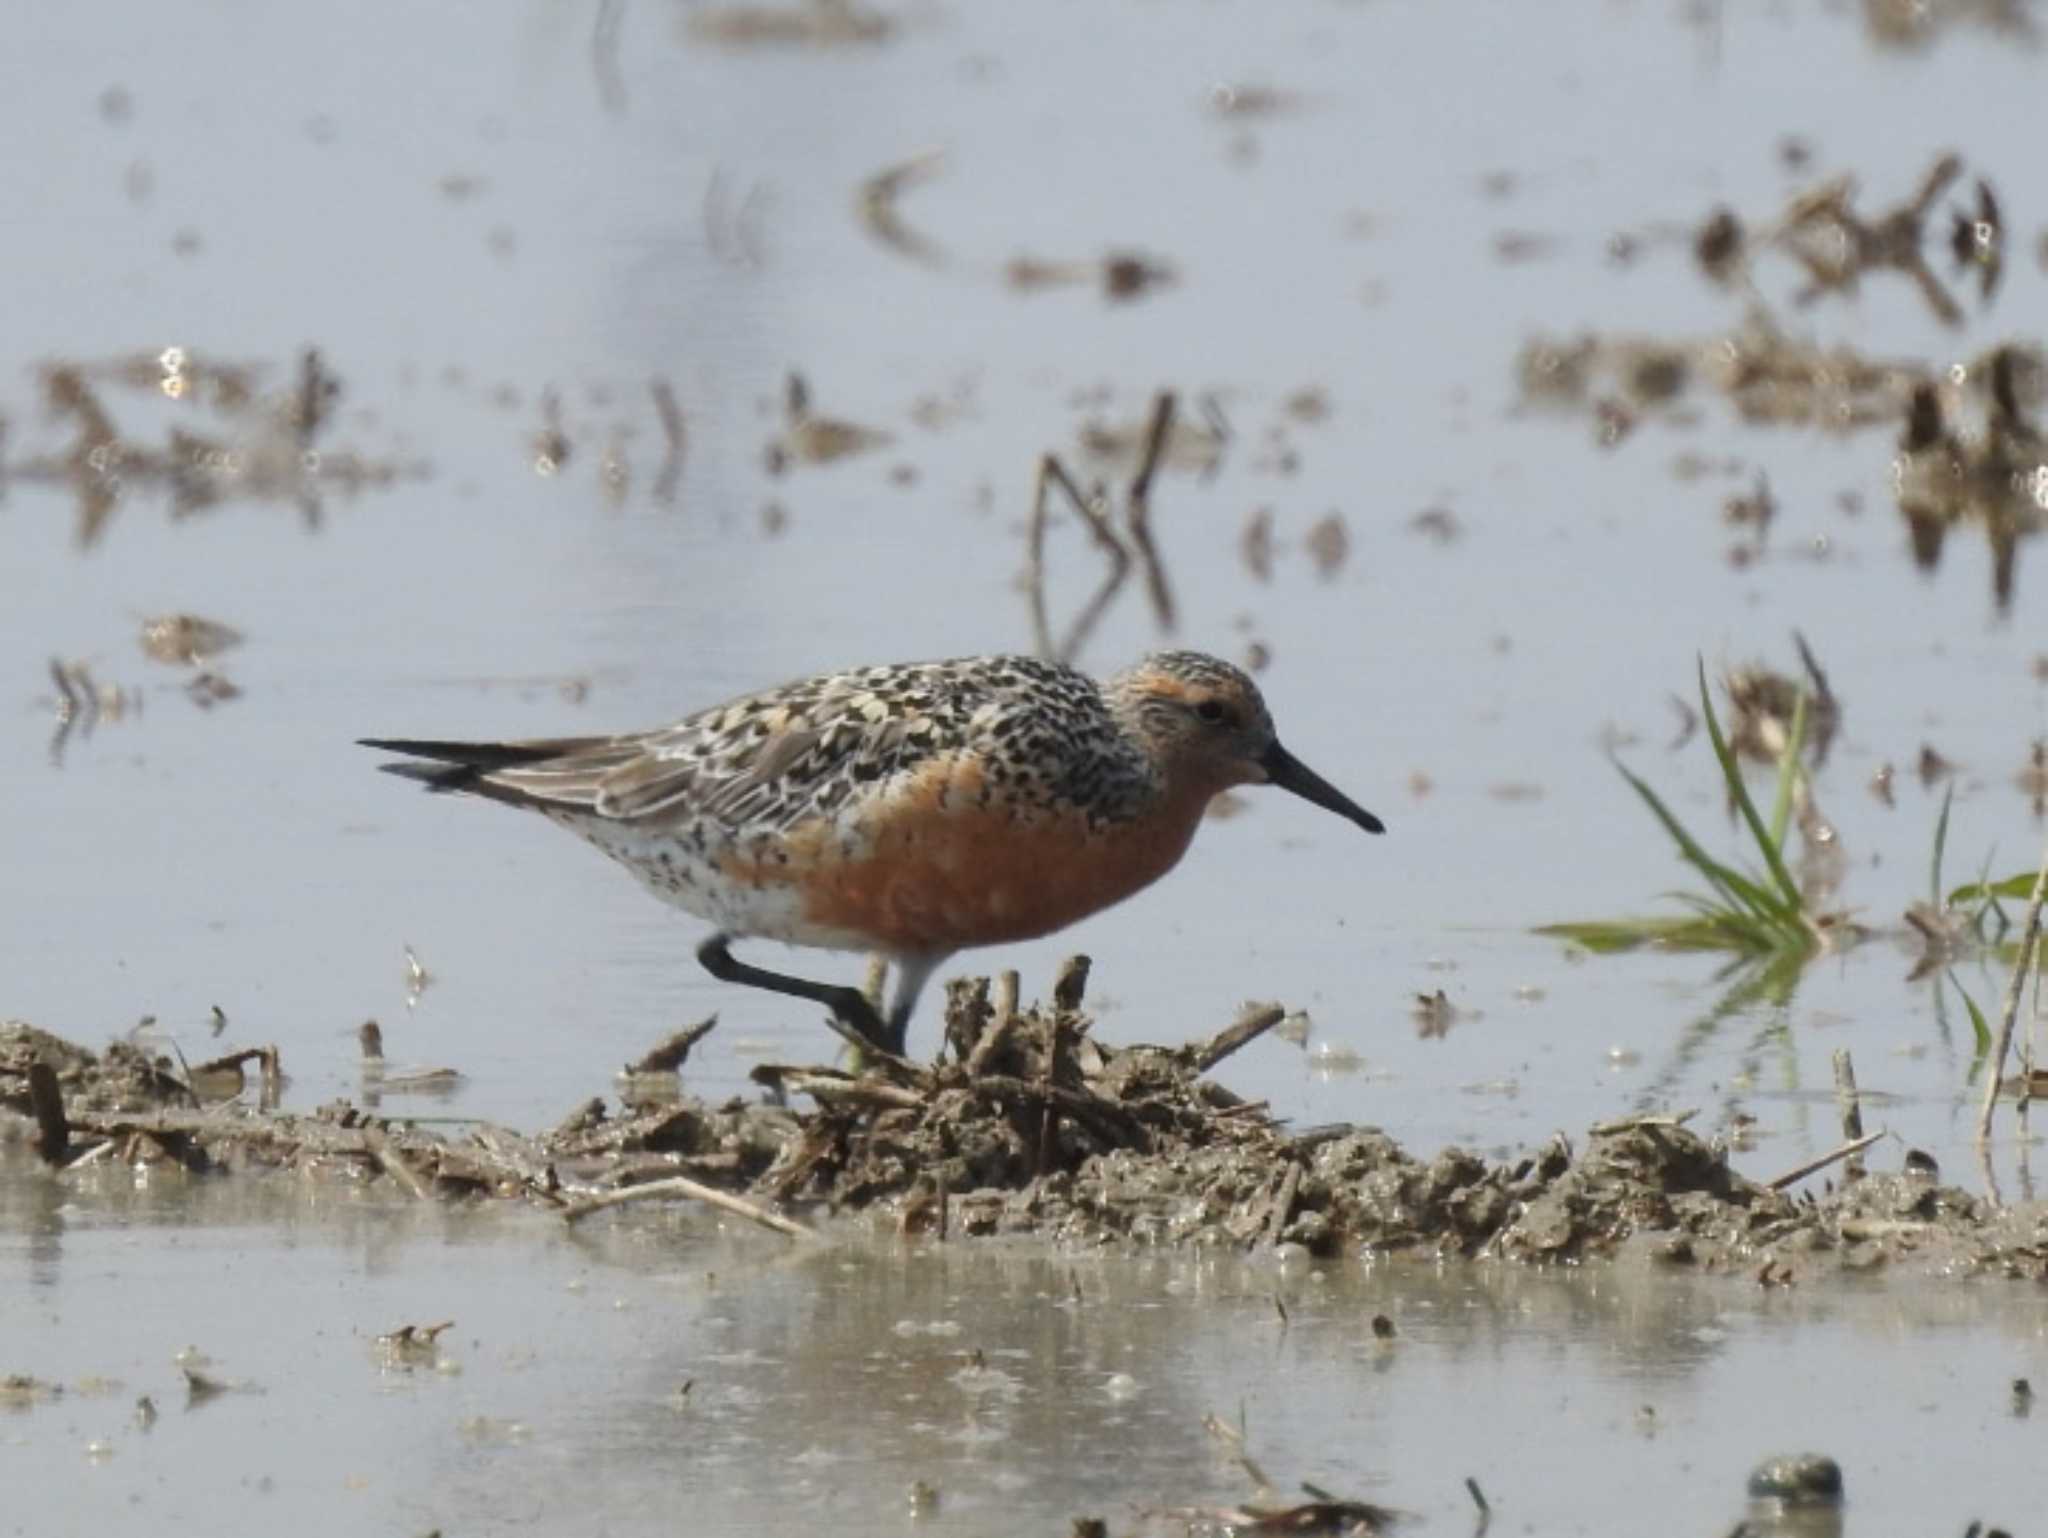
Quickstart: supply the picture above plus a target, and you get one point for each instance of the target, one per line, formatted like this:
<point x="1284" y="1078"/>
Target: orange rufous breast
<point x="933" y="871"/>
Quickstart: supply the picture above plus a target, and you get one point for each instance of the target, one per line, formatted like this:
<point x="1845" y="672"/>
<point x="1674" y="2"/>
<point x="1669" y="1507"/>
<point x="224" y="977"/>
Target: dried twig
<point x="1051" y="474"/>
<point x="1110" y="1119"/>
<point x="1283" y="1205"/>
<point x="669" y="1053"/>
<point x="1070" y="983"/>
<point x="997" y="1033"/>
<point x="1048" y="1113"/>
<point x="1798" y="1173"/>
<point x="1139" y="516"/>
<point x="1851" y="1107"/>
<point x="53" y="1131"/>
<point x="395" y="1166"/>
<point x="876" y="208"/>
<point x="670" y="474"/>
<point x="682" y="1185"/>
<point x="1233" y="1439"/>
<point x="1485" y="1507"/>
<point x="2022" y="968"/>
<point x="830" y="1088"/>
<point x="1249" y="1026"/>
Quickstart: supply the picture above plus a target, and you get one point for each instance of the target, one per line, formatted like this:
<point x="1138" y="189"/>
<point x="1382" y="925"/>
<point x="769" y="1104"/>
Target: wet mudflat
<point x="607" y="1374"/>
<point x="575" y="367"/>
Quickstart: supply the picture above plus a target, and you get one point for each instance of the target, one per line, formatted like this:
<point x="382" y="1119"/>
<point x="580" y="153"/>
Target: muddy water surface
<point x="603" y="1380"/>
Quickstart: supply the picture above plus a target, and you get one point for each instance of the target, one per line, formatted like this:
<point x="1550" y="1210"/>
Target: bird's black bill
<point x="1290" y="773"/>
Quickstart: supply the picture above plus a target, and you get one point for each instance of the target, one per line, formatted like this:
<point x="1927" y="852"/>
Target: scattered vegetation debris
<point x="1322" y="1518"/>
<point x="1971" y="449"/>
<point x="1134" y="545"/>
<point x="669" y="1054"/>
<point x="1434" y="1014"/>
<point x="413" y="1345"/>
<point x="82" y="702"/>
<point x="207" y="688"/>
<point x="1769" y="376"/>
<point x="810" y="23"/>
<point x="1834" y="246"/>
<point x="2032" y="780"/>
<point x="1255" y="544"/>
<point x="201" y="1387"/>
<point x="1438" y="524"/>
<point x="734" y="236"/>
<point x="1915" y="24"/>
<point x="182" y="639"/>
<point x="1121" y="275"/>
<point x="674" y="440"/>
<point x="18" y="1391"/>
<point x="1329" y="545"/>
<point x="1028" y="1125"/>
<point x="254" y="447"/>
<point x="810" y="439"/>
<point x="549" y="449"/>
<point x="1243" y="99"/>
<point x="1798" y="1479"/>
<point x="1195" y="443"/>
<point x="1993" y="475"/>
<point x="875" y="205"/>
<point x="1131" y="274"/>
<point x="1763" y="706"/>
<point x="381" y="1078"/>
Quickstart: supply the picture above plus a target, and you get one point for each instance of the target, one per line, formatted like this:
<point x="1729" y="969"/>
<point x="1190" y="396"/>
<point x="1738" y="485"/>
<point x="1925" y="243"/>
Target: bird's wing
<point x="776" y="758"/>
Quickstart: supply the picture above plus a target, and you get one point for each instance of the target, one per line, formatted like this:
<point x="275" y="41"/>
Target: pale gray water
<point x="278" y="176"/>
<point x="821" y="1386"/>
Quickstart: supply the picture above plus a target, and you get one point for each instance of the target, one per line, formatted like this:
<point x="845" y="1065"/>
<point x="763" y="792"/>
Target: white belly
<point x="674" y="870"/>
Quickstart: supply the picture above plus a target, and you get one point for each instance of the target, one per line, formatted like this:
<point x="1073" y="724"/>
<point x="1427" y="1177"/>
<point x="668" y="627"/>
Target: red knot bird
<point x="913" y="811"/>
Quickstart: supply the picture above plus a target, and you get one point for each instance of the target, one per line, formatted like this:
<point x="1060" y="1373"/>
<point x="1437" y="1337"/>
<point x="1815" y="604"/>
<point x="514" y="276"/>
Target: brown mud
<point x="1029" y="1127"/>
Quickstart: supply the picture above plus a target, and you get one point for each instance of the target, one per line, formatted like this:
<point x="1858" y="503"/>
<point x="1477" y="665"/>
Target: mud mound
<point x="1029" y="1126"/>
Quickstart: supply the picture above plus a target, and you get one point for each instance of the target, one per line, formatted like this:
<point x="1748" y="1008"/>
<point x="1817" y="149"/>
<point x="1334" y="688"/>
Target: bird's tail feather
<point x="467" y="766"/>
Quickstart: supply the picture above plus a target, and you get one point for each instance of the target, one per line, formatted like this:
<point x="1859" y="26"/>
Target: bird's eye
<point x="1212" y="711"/>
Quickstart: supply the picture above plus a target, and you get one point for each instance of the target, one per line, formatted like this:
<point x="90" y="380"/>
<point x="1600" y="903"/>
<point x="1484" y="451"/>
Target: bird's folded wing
<point x="779" y="777"/>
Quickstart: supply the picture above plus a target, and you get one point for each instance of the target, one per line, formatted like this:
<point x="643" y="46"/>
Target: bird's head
<point x="1206" y="726"/>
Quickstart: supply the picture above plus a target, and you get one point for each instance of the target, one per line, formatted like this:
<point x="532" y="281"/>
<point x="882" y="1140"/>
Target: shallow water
<point x="468" y="207"/>
<point x="246" y="856"/>
<point x="1026" y="1389"/>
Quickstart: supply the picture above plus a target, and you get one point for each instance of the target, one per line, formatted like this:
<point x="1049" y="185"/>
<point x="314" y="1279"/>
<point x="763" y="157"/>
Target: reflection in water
<point x="1995" y="476"/>
<point x="1920" y="23"/>
<point x="861" y="1382"/>
<point x="256" y="448"/>
<point x="1947" y="472"/>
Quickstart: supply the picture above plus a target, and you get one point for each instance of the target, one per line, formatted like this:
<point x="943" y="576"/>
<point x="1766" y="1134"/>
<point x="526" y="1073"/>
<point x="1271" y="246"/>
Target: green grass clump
<point x="1752" y="913"/>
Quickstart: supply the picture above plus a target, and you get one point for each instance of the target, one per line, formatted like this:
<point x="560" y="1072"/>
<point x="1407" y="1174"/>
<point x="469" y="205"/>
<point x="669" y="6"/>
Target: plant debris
<point x="1030" y="1126"/>
<point x="253" y="448"/>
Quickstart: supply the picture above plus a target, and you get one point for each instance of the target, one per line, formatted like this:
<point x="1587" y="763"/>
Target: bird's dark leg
<point x="853" y="1016"/>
